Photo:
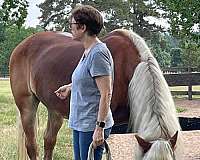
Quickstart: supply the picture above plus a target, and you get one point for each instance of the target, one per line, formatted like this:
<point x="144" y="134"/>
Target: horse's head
<point x="158" y="149"/>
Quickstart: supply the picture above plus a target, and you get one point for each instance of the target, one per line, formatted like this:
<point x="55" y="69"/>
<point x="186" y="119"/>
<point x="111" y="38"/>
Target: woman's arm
<point x="104" y="84"/>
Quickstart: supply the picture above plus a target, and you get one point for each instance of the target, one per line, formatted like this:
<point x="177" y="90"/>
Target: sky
<point x="34" y="12"/>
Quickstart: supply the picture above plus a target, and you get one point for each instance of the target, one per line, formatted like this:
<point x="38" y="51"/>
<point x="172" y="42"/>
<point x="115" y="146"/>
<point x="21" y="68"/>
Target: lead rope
<point x="91" y="152"/>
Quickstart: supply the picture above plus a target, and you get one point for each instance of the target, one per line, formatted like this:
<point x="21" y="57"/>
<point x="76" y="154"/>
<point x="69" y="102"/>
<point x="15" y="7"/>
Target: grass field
<point x="8" y="130"/>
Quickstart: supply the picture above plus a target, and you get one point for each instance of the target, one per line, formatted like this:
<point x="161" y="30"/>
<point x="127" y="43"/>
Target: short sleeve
<point x="100" y="64"/>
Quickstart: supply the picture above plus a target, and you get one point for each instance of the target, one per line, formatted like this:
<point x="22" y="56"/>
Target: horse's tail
<point x="152" y="110"/>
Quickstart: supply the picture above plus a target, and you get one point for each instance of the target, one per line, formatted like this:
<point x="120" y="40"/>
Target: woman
<point x="91" y="88"/>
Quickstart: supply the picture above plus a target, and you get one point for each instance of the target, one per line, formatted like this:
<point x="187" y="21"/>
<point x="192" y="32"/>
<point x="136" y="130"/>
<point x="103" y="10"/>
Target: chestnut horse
<point x="45" y="61"/>
<point x="152" y="110"/>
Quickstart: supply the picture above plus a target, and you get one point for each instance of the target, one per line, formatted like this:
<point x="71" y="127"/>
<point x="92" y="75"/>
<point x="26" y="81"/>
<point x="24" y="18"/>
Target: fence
<point x="180" y="70"/>
<point x="4" y="73"/>
<point x="183" y="77"/>
<point x="174" y="76"/>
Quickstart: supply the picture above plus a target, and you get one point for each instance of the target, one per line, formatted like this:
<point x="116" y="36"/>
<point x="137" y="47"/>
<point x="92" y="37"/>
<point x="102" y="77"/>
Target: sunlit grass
<point x="8" y="129"/>
<point x="179" y="109"/>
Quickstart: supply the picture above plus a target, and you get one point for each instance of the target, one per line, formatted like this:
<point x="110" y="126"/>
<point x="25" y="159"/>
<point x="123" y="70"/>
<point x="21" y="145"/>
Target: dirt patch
<point x="123" y="146"/>
<point x="192" y="107"/>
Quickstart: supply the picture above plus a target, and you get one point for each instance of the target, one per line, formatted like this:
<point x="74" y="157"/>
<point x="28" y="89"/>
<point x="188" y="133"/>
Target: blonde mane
<point x="152" y="110"/>
<point x="160" y="150"/>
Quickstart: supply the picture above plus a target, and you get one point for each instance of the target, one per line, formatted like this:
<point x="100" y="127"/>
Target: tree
<point x="191" y="54"/>
<point x="129" y="14"/>
<point x="14" y="12"/>
<point x="160" y="45"/>
<point x="183" y="17"/>
<point x="2" y="27"/>
<point x="13" y="36"/>
<point x="176" y="59"/>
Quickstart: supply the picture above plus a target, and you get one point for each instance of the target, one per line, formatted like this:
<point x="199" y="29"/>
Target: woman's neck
<point x="89" y="41"/>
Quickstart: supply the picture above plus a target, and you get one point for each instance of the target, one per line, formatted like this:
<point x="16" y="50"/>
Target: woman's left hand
<point x="98" y="137"/>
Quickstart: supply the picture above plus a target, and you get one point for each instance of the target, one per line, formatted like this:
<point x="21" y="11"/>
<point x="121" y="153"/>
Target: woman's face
<point x="77" y="31"/>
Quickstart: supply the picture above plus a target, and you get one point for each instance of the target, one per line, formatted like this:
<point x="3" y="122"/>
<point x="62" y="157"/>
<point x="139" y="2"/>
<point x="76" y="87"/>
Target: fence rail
<point x="180" y="70"/>
<point x="184" y="79"/>
<point x="174" y="77"/>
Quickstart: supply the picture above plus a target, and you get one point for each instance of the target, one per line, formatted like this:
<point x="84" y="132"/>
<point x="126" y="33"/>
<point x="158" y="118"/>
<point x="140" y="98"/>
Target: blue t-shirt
<point x="85" y="95"/>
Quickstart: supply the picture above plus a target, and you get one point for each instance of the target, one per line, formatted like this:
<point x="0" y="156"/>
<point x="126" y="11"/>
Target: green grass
<point x="8" y="129"/>
<point x="179" y="109"/>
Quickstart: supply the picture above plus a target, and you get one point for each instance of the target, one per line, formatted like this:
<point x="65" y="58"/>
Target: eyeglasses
<point x="70" y="24"/>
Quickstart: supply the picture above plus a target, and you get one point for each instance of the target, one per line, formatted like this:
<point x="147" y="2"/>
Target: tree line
<point x="173" y="47"/>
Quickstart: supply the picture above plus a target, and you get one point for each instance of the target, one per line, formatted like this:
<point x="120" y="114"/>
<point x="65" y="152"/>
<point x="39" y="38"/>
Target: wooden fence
<point x="175" y="76"/>
<point x="183" y="77"/>
<point x="180" y="69"/>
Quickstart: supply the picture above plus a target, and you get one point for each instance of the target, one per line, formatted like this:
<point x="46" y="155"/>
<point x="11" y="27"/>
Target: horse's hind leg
<point x="54" y="123"/>
<point x="28" y="107"/>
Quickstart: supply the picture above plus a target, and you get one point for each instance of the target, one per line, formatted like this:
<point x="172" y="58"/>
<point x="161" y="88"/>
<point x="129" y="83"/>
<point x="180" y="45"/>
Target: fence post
<point x="190" y="86"/>
<point x="190" y="92"/>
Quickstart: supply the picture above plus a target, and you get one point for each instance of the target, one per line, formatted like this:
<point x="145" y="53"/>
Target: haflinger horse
<point x="45" y="61"/>
<point x="152" y="110"/>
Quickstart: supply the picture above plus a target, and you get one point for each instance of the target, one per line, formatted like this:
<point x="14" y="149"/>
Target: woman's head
<point x="88" y="16"/>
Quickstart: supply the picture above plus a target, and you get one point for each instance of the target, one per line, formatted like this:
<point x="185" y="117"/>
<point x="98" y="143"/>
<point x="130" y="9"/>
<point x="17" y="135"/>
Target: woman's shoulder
<point x="101" y="48"/>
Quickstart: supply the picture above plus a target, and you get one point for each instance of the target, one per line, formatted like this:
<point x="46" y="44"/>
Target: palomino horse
<point x="152" y="110"/>
<point x="45" y="61"/>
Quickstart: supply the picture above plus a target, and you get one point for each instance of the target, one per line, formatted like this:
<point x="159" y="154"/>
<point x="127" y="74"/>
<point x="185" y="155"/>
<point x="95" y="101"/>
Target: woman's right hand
<point x="63" y="92"/>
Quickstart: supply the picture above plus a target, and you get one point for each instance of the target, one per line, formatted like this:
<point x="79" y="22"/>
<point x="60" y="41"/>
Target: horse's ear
<point x="173" y="140"/>
<point x="144" y="144"/>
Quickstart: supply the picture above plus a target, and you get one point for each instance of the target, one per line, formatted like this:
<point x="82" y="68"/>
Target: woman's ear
<point x="83" y="28"/>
